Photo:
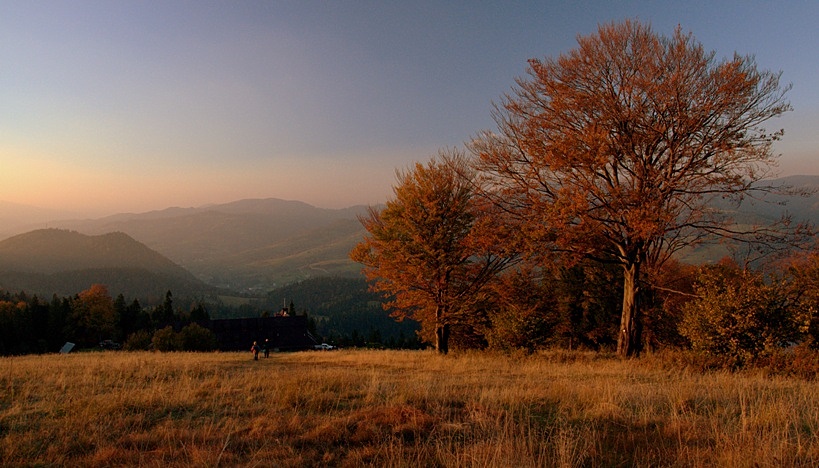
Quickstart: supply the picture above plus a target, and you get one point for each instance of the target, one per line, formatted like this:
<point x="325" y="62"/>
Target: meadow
<point x="397" y="408"/>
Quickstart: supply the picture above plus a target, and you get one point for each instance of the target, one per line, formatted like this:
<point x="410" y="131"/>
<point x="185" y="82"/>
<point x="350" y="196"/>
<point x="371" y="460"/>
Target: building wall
<point x="283" y="333"/>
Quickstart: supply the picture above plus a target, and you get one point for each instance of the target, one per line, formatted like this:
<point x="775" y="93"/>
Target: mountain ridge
<point x="59" y="261"/>
<point x="246" y="245"/>
<point x="258" y="244"/>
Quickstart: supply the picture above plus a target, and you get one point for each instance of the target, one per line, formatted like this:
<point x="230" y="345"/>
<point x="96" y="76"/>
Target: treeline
<point x="341" y="311"/>
<point x="29" y="324"/>
<point x="730" y="314"/>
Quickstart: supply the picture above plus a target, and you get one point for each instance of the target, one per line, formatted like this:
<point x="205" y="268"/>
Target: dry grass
<point x="396" y="408"/>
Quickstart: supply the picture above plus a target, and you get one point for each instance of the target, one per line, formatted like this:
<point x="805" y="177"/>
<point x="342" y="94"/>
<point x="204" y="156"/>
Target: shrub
<point x="167" y="340"/>
<point x="197" y="338"/>
<point x="798" y="361"/>
<point x="138" y="341"/>
<point x="740" y="315"/>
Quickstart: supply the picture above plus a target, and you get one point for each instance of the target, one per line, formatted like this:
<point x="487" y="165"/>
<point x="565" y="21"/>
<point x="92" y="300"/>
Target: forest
<point x="341" y="311"/>
<point x="91" y="317"/>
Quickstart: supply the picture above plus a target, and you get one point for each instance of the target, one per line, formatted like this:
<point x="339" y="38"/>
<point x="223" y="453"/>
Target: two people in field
<point x="255" y="349"/>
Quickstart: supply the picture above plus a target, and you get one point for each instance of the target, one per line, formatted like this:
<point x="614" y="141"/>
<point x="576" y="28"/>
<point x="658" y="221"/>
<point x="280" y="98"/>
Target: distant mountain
<point x="49" y="261"/>
<point x="247" y="245"/>
<point x="258" y="245"/>
<point x="804" y="207"/>
<point x="801" y="203"/>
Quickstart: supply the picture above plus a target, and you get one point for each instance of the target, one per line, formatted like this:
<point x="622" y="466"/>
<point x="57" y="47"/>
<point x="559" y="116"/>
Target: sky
<point x="129" y="106"/>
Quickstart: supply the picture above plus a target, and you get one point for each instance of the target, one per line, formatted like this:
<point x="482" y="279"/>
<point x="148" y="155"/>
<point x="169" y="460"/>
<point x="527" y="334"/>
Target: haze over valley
<point x="246" y="246"/>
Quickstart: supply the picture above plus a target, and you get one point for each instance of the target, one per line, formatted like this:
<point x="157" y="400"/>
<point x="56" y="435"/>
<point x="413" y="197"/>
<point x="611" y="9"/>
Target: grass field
<point x="396" y="408"/>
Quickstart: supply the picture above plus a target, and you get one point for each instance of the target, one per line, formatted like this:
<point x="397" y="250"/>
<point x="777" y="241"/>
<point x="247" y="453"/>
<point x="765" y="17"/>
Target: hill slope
<point x="49" y="261"/>
<point x="802" y="206"/>
<point x="245" y="245"/>
<point x="346" y="312"/>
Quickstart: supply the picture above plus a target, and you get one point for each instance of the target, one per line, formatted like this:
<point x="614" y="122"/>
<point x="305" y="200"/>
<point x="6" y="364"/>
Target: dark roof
<point x="283" y="333"/>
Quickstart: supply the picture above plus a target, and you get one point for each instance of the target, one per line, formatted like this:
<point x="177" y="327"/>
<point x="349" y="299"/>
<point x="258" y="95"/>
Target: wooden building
<point x="283" y="333"/>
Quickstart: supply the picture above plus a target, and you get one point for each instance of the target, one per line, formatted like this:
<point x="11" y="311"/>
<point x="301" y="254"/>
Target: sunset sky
<point x="128" y="106"/>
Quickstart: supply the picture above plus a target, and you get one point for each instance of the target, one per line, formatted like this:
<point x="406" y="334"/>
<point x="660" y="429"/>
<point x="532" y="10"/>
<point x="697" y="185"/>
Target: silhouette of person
<point x="266" y="348"/>
<point x="255" y="350"/>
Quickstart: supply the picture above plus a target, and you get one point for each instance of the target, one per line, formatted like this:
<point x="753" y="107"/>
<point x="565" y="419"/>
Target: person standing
<point x="255" y="350"/>
<point x="266" y="348"/>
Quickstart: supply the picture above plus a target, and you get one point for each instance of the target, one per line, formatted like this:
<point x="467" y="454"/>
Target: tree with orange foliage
<point x="93" y="316"/>
<point x="433" y="248"/>
<point x="615" y="150"/>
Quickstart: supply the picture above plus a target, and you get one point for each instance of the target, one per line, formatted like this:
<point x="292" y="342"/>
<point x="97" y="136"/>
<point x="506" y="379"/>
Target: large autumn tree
<point x="432" y="249"/>
<point x="616" y="150"/>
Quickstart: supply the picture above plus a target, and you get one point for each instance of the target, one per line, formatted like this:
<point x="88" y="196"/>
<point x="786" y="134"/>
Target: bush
<point x="138" y="341"/>
<point x="798" y="361"/>
<point x="740" y="315"/>
<point x="197" y="338"/>
<point x="167" y="340"/>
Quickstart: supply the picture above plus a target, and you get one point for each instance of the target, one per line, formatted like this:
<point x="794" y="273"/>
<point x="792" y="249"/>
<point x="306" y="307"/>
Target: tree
<point x="616" y="150"/>
<point x="93" y="316"/>
<point x="524" y="315"/>
<point x="125" y="326"/>
<point x="10" y="342"/>
<point x="132" y="317"/>
<point x="164" y="314"/>
<point x="59" y="311"/>
<point x="431" y="249"/>
<point x="198" y="313"/>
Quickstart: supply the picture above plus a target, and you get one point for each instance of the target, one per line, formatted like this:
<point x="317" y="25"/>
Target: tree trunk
<point x="442" y="338"/>
<point x="441" y="331"/>
<point x="628" y="340"/>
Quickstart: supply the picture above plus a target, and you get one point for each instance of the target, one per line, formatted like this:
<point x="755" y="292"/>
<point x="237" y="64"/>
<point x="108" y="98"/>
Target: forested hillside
<point x="345" y="312"/>
<point x="249" y="245"/>
<point x="92" y="318"/>
<point x="55" y="261"/>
